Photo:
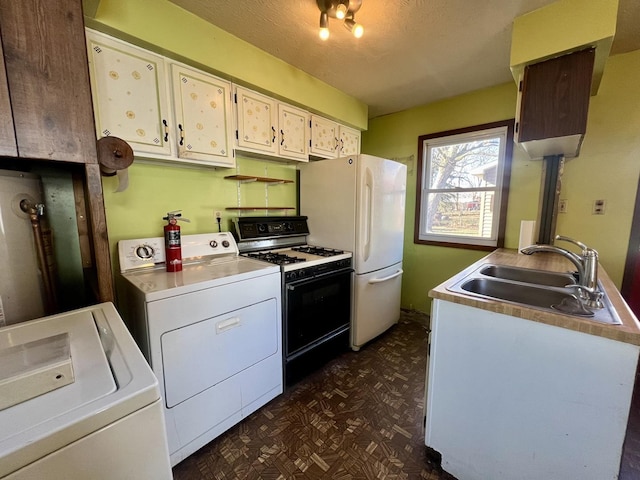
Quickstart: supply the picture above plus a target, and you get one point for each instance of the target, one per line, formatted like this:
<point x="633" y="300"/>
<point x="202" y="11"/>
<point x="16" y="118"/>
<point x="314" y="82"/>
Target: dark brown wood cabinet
<point x="46" y="108"/>
<point x="553" y="105"/>
<point x="7" y="132"/>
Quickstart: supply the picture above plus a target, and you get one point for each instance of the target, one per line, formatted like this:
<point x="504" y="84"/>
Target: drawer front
<point x="201" y="355"/>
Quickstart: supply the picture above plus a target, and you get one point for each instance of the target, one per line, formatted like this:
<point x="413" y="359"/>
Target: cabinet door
<point x="349" y="141"/>
<point x="202" y="116"/>
<point x="7" y="132"/>
<point x="46" y="71"/>
<point x="553" y="105"/>
<point x="256" y="121"/>
<point x="324" y="137"/>
<point x="293" y="132"/>
<point x="129" y="94"/>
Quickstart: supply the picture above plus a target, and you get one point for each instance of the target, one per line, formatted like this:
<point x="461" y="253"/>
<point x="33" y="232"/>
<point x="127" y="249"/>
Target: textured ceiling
<point x="413" y="52"/>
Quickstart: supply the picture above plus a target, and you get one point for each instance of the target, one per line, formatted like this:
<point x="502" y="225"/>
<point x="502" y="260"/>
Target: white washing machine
<point x="105" y="422"/>
<point x="212" y="332"/>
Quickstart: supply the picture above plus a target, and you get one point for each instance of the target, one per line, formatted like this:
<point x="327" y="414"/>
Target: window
<point x="463" y="184"/>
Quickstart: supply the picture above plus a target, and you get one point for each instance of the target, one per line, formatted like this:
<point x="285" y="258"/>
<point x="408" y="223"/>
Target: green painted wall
<point x="396" y="136"/>
<point x="607" y="168"/>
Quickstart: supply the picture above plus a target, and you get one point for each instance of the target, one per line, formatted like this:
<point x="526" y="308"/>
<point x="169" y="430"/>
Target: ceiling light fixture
<point x="344" y="10"/>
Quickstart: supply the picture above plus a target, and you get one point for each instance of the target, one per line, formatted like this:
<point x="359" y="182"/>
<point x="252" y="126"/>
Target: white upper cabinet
<point x="202" y="105"/>
<point x="349" y="141"/>
<point x="129" y="94"/>
<point x="266" y="126"/>
<point x="256" y="117"/>
<point x="324" y="137"/>
<point x="163" y="109"/>
<point x="329" y="139"/>
<point x="293" y="128"/>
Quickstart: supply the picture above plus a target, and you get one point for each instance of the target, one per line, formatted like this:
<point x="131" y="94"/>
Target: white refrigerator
<point x="357" y="204"/>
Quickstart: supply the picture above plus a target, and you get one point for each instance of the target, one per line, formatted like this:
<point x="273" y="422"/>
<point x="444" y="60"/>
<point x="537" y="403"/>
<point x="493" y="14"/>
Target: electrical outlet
<point x="217" y="214"/>
<point x="562" y="206"/>
<point x="599" y="207"/>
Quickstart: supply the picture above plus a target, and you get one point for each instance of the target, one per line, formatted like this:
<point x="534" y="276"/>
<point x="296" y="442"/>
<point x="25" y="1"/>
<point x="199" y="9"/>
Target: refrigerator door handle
<point x="368" y="215"/>
<point x="386" y="279"/>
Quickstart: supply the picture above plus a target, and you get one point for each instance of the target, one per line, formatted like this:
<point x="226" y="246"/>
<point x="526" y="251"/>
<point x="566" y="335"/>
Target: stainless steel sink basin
<point x="538" y="289"/>
<point x="525" y="294"/>
<point x="528" y="275"/>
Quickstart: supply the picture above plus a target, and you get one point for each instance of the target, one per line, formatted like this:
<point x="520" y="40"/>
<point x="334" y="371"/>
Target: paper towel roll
<point x="527" y="234"/>
<point x="115" y="156"/>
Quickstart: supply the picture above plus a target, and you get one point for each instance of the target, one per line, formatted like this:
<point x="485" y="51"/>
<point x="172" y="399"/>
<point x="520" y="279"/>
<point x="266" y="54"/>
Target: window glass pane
<point x="464" y="165"/>
<point x="464" y="214"/>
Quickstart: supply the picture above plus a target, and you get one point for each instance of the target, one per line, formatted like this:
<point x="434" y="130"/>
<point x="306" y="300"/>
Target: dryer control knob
<point x="225" y="243"/>
<point x="144" y="252"/>
<point x="213" y="244"/>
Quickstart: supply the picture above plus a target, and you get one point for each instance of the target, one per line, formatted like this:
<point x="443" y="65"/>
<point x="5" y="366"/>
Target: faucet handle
<point x="571" y="240"/>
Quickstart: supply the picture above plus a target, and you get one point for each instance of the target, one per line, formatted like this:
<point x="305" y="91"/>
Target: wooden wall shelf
<point x="252" y="178"/>
<point x="260" y="208"/>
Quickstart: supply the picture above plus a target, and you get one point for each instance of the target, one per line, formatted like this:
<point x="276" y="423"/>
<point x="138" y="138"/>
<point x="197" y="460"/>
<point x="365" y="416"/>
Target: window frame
<point x="422" y="186"/>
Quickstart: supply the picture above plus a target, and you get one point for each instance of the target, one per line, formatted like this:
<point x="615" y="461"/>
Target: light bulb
<point x="354" y="27"/>
<point x="341" y="11"/>
<point x="358" y="30"/>
<point x="324" y="29"/>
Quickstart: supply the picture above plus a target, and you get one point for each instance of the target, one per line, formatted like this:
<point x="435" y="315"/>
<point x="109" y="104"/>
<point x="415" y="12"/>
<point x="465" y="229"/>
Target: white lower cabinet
<point x="513" y="398"/>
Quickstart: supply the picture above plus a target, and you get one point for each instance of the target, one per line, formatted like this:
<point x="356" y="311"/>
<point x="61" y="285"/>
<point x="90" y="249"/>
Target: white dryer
<point x="104" y="423"/>
<point x="212" y="332"/>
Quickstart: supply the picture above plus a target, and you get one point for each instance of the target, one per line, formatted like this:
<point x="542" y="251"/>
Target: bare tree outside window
<point x="462" y="187"/>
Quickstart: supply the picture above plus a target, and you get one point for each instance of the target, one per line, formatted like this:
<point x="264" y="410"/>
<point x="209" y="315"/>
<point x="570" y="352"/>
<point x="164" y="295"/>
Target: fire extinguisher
<point x="172" y="245"/>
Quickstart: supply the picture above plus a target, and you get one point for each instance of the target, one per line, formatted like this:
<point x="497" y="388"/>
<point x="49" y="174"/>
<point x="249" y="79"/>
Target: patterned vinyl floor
<point x="359" y="417"/>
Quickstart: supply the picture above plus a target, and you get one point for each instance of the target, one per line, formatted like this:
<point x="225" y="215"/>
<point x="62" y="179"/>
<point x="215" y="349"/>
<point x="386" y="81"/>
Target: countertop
<point x="628" y="332"/>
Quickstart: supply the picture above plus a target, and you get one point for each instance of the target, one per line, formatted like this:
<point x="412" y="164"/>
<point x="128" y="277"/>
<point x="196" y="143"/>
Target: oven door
<point x="315" y="309"/>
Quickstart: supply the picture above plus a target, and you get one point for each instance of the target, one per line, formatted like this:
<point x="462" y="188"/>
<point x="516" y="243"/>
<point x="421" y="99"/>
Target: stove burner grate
<point x="277" y="258"/>
<point x="321" y="251"/>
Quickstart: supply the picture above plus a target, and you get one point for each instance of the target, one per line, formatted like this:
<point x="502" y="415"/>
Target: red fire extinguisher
<point x="172" y="245"/>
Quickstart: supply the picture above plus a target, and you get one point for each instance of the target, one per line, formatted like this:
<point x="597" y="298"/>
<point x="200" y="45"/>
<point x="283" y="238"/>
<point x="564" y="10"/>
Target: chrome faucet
<point x="586" y="264"/>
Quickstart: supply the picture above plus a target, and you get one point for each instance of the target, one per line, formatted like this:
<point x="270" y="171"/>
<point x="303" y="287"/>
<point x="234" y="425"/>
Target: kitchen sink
<point x="528" y="275"/>
<point x="517" y="292"/>
<point x="537" y="289"/>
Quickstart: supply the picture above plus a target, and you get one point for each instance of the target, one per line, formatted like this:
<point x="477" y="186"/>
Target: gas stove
<point x="282" y="241"/>
<point x="316" y="289"/>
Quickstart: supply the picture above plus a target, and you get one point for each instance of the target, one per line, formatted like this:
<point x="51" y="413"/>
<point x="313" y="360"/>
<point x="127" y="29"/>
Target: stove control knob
<point x="288" y="226"/>
<point x="292" y="275"/>
<point x="262" y="228"/>
<point x="144" y="252"/>
<point x="301" y="273"/>
<point x="213" y="244"/>
<point x="225" y="243"/>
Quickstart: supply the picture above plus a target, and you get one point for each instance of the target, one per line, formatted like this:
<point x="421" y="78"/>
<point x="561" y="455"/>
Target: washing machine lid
<point x="111" y="380"/>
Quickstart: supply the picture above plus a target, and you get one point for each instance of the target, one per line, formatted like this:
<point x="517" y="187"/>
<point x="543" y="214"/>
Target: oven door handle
<point x="386" y="279"/>
<point x="302" y="281"/>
